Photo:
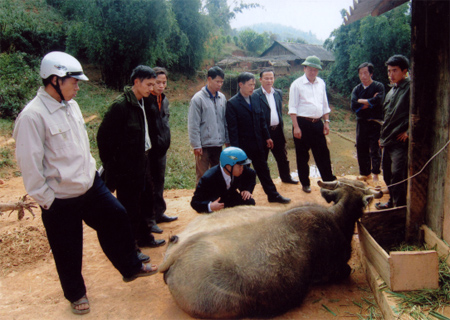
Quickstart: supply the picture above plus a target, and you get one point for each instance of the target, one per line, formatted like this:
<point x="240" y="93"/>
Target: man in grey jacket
<point x="206" y="122"/>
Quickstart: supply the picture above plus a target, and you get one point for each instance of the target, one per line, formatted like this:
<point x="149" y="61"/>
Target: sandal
<point x="79" y="302"/>
<point x="146" y="270"/>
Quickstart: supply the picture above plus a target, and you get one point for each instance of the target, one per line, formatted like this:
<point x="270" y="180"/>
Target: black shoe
<point x="154" y="243"/>
<point x="280" y="199"/>
<point x="291" y="181"/>
<point x="306" y="189"/>
<point x="155" y="229"/>
<point x="143" y="257"/>
<point x="165" y="218"/>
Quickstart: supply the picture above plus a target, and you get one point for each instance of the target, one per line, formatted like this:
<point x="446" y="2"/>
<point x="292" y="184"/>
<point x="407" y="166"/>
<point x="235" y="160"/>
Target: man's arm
<point x="30" y="139"/>
<point x="205" y="194"/>
<point x="194" y="119"/>
<point x="109" y="132"/>
<point x="232" y="123"/>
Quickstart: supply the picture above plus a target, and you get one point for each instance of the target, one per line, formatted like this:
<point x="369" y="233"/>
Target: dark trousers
<point x="367" y="148"/>
<point x="100" y="210"/>
<point x="233" y="199"/>
<point x="395" y="169"/>
<point x="279" y="153"/>
<point x="259" y="163"/>
<point x="312" y="139"/>
<point x="157" y="166"/>
<point x="138" y="204"/>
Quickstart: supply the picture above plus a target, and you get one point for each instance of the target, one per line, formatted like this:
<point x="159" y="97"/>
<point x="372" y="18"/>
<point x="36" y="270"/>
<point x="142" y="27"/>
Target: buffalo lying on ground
<point x="239" y="265"/>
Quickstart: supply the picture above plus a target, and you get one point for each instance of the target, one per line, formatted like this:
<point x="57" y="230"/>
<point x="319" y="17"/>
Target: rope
<point x="413" y="176"/>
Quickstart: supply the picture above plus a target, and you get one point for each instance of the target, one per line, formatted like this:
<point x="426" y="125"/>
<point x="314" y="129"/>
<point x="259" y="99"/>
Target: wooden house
<point x="284" y="57"/>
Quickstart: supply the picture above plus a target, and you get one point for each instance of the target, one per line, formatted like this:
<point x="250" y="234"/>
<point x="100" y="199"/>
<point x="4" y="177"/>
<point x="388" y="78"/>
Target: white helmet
<point x="61" y="64"/>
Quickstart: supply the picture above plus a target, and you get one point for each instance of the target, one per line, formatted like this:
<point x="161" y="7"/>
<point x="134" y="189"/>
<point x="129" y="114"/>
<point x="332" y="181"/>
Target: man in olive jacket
<point x="394" y="132"/>
<point x="123" y="142"/>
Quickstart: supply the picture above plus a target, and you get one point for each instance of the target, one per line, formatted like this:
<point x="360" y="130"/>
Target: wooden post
<point x="429" y="124"/>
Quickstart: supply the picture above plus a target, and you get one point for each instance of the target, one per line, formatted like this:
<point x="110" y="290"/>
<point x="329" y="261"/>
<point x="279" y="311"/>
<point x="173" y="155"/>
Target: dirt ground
<point x="30" y="289"/>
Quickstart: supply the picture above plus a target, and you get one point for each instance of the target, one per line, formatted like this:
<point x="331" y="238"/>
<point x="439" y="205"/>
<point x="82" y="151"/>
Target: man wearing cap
<point x="58" y="170"/>
<point x="226" y="185"/>
<point x="309" y="110"/>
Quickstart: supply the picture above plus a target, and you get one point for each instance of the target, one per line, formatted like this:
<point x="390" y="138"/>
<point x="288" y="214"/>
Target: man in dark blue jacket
<point x="218" y="187"/>
<point x="367" y="100"/>
<point x="271" y="102"/>
<point x="247" y="130"/>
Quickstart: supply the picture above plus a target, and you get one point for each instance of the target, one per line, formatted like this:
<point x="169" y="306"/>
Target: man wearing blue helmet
<point x="226" y="185"/>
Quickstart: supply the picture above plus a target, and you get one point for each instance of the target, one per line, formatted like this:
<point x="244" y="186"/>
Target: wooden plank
<point x="374" y="253"/>
<point x="385" y="302"/>
<point x="414" y="270"/>
<point x="433" y="240"/>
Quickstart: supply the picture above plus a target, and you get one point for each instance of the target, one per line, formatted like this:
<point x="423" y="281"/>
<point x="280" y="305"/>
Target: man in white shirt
<point x="52" y="150"/>
<point x="309" y="111"/>
<point x="271" y="101"/>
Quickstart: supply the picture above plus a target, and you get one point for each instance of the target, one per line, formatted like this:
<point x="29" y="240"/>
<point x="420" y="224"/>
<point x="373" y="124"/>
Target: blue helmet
<point x="232" y="156"/>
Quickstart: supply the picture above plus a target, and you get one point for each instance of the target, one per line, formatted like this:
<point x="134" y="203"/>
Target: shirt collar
<point x="50" y="103"/>
<point x="306" y="81"/>
<point x="226" y="177"/>
<point x="210" y="94"/>
<point x="272" y="90"/>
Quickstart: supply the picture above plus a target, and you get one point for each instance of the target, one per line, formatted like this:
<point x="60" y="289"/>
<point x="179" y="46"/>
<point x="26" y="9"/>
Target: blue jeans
<point x="100" y="210"/>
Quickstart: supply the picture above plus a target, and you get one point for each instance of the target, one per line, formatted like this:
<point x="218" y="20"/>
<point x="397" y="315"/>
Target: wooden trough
<point x="399" y="270"/>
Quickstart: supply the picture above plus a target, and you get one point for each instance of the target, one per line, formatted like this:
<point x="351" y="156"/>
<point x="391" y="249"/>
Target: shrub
<point x="19" y="81"/>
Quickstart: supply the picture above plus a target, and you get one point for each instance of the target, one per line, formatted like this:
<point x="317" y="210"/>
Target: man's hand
<point x="216" y="205"/>
<point x="269" y="143"/>
<point x="246" y="195"/>
<point x="326" y="128"/>
<point x="402" y="136"/>
<point x="297" y="133"/>
<point x="198" y="152"/>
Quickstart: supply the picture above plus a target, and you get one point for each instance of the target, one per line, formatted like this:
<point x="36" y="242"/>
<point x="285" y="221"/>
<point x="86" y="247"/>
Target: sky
<point x="320" y="17"/>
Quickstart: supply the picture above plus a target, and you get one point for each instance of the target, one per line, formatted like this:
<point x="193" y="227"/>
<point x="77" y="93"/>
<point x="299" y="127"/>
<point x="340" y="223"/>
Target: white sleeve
<point x="30" y="136"/>
<point x="294" y="96"/>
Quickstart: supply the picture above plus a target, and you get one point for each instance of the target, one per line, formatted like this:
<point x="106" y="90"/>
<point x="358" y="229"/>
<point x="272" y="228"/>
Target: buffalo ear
<point x="367" y="200"/>
<point x="328" y="195"/>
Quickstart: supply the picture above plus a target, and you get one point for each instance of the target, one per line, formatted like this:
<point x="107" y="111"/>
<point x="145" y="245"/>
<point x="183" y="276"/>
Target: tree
<point x="195" y="26"/>
<point x="372" y="39"/>
<point x="254" y="42"/>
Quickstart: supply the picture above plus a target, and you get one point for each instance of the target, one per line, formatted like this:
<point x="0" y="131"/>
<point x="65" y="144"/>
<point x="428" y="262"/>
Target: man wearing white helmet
<point x="52" y="150"/>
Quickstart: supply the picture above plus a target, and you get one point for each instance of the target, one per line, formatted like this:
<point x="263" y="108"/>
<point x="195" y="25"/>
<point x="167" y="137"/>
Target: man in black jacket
<point x="157" y="113"/>
<point x="247" y="130"/>
<point x="367" y="100"/>
<point x="218" y="187"/>
<point x="271" y="101"/>
<point x="123" y="142"/>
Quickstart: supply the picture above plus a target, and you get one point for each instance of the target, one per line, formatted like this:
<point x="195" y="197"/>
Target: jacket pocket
<point x="59" y="135"/>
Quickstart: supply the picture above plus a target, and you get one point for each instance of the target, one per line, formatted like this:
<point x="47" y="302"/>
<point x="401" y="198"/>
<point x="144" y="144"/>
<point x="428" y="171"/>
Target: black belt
<point x="313" y="120"/>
